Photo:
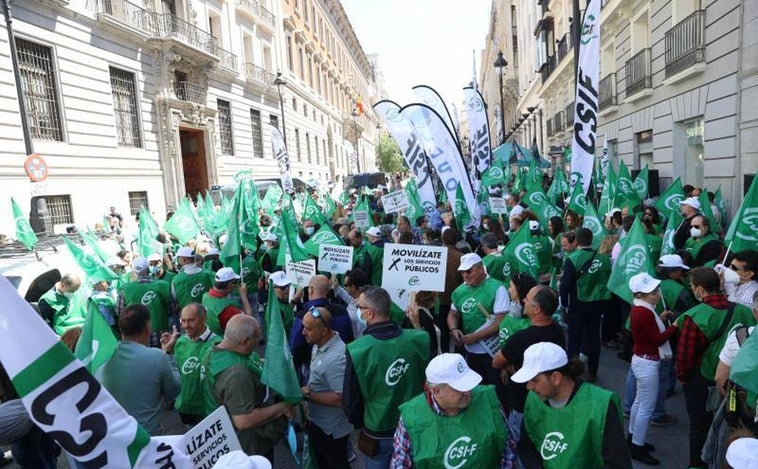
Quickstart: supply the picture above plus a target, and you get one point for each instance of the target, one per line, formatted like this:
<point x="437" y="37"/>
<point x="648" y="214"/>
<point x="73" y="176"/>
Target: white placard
<point x="300" y="273"/>
<point x="394" y="201"/>
<point x="38" y="188"/>
<point x="414" y="267"/>
<point x="335" y="259"/>
<point x="497" y="205"/>
<point x="360" y="218"/>
<point x="210" y="439"/>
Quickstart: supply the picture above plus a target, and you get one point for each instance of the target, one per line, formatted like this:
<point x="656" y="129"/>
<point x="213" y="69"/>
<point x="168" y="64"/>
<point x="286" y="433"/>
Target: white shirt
<point x="743" y="294"/>
<point x="731" y="347"/>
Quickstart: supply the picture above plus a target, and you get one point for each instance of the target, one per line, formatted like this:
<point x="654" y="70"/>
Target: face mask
<point x="309" y="230"/>
<point x="68" y="294"/>
<point x="486" y="226"/>
<point x="155" y="270"/>
<point x="695" y="232"/>
<point x="361" y="319"/>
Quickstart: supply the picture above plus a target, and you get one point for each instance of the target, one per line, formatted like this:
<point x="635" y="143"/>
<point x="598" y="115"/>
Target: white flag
<point x="586" y="103"/>
<point x="282" y="158"/>
<point x="352" y="156"/>
<point x="479" y="135"/>
<point x="430" y="97"/>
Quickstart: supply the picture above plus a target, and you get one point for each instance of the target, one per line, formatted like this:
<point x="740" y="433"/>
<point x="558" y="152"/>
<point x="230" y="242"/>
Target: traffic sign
<point x="35" y="167"/>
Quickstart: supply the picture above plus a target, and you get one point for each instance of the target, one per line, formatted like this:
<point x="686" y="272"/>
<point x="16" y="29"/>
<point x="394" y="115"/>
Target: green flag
<point x="415" y="209"/>
<point x="182" y="224"/>
<point x="521" y="248"/>
<point x="671" y="198"/>
<point x="324" y="235"/>
<point x="289" y="241"/>
<point x="705" y="209"/>
<point x="271" y="199"/>
<point x="24" y="231"/>
<point x="626" y="193"/>
<point x="460" y="209"/>
<point x="743" y="231"/>
<point x="578" y="203"/>
<point x="494" y="175"/>
<point x="97" y="344"/>
<point x="91" y="240"/>
<point x="675" y="219"/>
<point x="148" y="232"/>
<point x="278" y="370"/>
<point x="640" y="184"/>
<point x="558" y="186"/>
<point x="594" y="224"/>
<point x="633" y="259"/>
<point x="606" y="196"/>
<point x="718" y="199"/>
<point x="93" y="268"/>
<point x="230" y="253"/>
<point x="313" y="212"/>
<point x="329" y="206"/>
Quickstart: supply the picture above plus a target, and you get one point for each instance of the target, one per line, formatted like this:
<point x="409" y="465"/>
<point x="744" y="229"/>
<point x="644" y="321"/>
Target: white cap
<point x="154" y="256"/>
<point x="516" y="211"/>
<point x="222" y="239"/>
<point x="743" y="453"/>
<point x="280" y="279"/>
<point x="672" y="261"/>
<point x="692" y="202"/>
<point x="469" y="260"/>
<point x="226" y="274"/>
<point x="374" y="231"/>
<point x="139" y="264"/>
<point x="534" y="225"/>
<point x="451" y="369"/>
<point x="185" y="251"/>
<point x="612" y="212"/>
<point x="643" y="283"/>
<point x="239" y="460"/>
<point x="213" y="252"/>
<point x="115" y="260"/>
<point x="538" y="358"/>
<point x="271" y="237"/>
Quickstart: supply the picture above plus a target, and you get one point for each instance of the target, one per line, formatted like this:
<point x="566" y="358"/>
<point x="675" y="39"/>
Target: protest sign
<point x="335" y="259"/>
<point x="300" y="273"/>
<point x="361" y="219"/>
<point x="497" y="205"/>
<point x="395" y="201"/>
<point x="210" y="439"/>
<point x="414" y="267"/>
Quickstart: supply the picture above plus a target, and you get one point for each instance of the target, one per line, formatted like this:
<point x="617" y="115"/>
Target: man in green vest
<point x="672" y="271"/>
<point x="221" y="307"/>
<point x="384" y="368"/>
<point x="374" y="256"/>
<point x="152" y="293"/>
<point x="188" y="350"/>
<point x="53" y="305"/>
<point x="570" y="423"/>
<point x="454" y="419"/>
<point x="474" y="318"/>
<point x="542" y="246"/>
<point x="703" y="245"/>
<point x="703" y="332"/>
<point x="192" y="282"/>
<point x="232" y="378"/>
<point x="359" y="247"/>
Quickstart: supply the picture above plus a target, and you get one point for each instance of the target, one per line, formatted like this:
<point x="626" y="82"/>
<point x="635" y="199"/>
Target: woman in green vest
<point x="572" y="424"/>
<point x="515" y="320"/>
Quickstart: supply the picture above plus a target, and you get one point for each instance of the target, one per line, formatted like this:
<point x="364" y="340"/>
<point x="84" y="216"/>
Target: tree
<point x="388" y="156"/>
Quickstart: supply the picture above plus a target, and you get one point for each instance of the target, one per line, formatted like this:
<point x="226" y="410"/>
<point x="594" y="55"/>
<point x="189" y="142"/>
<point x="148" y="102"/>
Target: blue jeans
<point x="383" y="455"/>
<point x="630" y="389"/>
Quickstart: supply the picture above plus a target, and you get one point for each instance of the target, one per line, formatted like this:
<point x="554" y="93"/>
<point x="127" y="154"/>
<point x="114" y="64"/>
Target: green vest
<point x="389" y="373"/>
<point x="592" y="285"/>
<point x="377" y="258"/>
<point x="709" y="320"/>
<point x="288" y="316"/>
<point x="187" y="354"/>
<point x="190" y="288"/>
<point x="251" y="272"/>
<point x="467" y="300"/>
<point x="544" y="250"/>
<point x="693" y="245"/>
<point x="358" y="254"/>
<point x="572" y="436"/>
<point x="215" y="306"/>
<point x="670" y="291"/>
<point x="510" y="325"/>
<point x="474" y="438"/>
<point x="215" y="361"/>
<point x="153" y="294"/>
<point x="57" y="302"/>
<point x="168" y="276"/>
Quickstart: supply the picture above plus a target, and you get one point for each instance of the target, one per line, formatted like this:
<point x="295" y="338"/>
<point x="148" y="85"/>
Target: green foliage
<point x="388" y="156"/>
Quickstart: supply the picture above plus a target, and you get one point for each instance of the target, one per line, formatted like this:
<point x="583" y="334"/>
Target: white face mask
<point x="68" y="294"/>
<point x="360" y="317"/>
<point x="486" y="226"/>
<point x="695" y="232"/>
<point x="309" y="230"/>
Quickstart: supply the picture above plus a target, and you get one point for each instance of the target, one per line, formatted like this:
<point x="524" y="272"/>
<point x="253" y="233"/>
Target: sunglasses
<point x="696" y="226"/>
<point x="736" y="268"/>
<point x="286" y="287"/>
<point x="316" y="314"/>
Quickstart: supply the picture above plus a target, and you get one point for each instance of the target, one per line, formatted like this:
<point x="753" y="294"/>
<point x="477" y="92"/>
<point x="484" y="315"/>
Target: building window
<point x="644" y="157"/>
<point x="289" y="53"/>
<point x="294" y="104"/>
<point x="305" y="110"/>
<point x="315" y="144"/>
<point x="125" y="108"/>
<point x="59" y="207"/>
<point x="255" y="122"/>
<point x="694" y="136"/>
<point x="225" y="126"/>
<point x="273" y="119"/>
<point x="308" y="146"/>
<point x="35" y="63"/>
<point x="137" y="200"/>
<point x="297" y="144"/>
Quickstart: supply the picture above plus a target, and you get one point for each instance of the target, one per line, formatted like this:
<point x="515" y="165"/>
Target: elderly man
<point x="152" y="293"/>
<point x="384" y="368"/>
<point x="188" y="350"/>
<point x="220" y="306"/>
<point x="232" y="378"/>
<point x="141" y="378"/>
<point x="689" y="210"/>
<point x="192" y="282"/>
<point x="53" y="305"/>
<point x="455" y="419"/>
<point x="474" y="319"/>
<point x="703" y="245"/>
<point x="328" y="427"/>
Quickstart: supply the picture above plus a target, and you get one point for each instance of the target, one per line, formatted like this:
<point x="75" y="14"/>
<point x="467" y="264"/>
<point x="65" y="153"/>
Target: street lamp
<point x="501" y="63"/>
<point x="279" y="81"/>
<point x="355" y="131"/>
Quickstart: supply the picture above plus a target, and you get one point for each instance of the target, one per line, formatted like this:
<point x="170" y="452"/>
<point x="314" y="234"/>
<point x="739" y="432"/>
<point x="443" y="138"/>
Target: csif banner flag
<point x="586" y="107"/>
<point x="282" y="158"/>
<point x="352" y="155"/>
<point x="479" y="135"/>
<point x="430" y="97"/>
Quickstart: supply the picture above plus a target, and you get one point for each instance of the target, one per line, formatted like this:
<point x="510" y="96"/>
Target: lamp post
<point x="6" y="7"/>
<point x="279" y="81"/>
<point x="501" y="63"/>
<point x="355" y="132"/>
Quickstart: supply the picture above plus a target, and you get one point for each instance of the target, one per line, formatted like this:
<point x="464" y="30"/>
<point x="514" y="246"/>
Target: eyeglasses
<point x="736" y="268"/>
<point x="696" y="226"/>
<point x="316" y="314"/>
<point x="285" y="287"/>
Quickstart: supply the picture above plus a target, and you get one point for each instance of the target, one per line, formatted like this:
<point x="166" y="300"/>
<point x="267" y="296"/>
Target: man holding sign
<point x="478" y="307"/>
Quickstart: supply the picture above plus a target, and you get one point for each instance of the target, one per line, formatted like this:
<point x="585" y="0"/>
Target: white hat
<point x="213" y="252"/>
<point x="743" y="453"/>
<point x="115" y="260"/>
<point x="538" y="358"/>
<point x="516" y="211"/>
<point x="692" y="202"/>
<point x="223" y="239"/>
<point x="612" y="212"/>
<point x="643" y="283"/>
<point x="534" y="225"/>
<point x="271" y="237"/>
<point x="139" y="264"/>
<point x="154" y="256"/>
<point x="226" y="274"/>
<point x="374" y="231"/>
<point x="451" y="369"/>
<point x="672" y="261"/>
<point x="469" y="260"/>
<point x="280" y="279"/>
<point x="239" y="460"/>
<point x="185" y="251"/>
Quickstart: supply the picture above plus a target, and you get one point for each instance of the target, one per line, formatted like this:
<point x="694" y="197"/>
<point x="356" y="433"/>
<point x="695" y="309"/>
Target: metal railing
<point x="563" y="47"/>
<point x="569" y="112"/>
<point x="558" y="121"/>
<point x="127" y="13"/>
<point x="685" y="43"/>
<point x="637" y="71"/>
<point x="227" y="59"/>
<point x="259" y="74"/>
<point x="607" y="91"/>
<point x="191" y="92"/>
<point x="547" y="68"/>
<point x="266" y="16"/>
<point x="171" y="26"/>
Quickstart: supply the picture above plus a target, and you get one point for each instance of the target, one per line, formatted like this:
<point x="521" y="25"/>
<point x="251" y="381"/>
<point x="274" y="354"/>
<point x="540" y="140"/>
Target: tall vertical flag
<point x="640" y="183"/>
<point x="430" y="97"/>
<point x="671" y="198"/>
<point x="743" y="231"/>
<point x="586" y="102"/>
<point x="672" y="224"/>
<point x="92" y="266"/>
<point x="24" y="231"/>
<point x="633" y="259"/>
<point x="182" y="225"/>
<point x="97" y="343"/>
<point x="479" y="135"/>
<point x="278" y="370"/>
<point x="282" y="158"/>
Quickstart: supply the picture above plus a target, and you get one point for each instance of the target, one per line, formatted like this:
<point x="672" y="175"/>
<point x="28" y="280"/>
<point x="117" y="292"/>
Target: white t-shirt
<point x="731" y="347"/>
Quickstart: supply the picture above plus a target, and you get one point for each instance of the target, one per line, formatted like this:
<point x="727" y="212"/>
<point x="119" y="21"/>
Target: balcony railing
<point x="171" y="26"/>
<point x="547" y="68"/>
<point x="550" y="127"/>
<point x="259" y="74"/>
<point x="227" y="59"/>
<point x="191" y="92"/>
<point x="685" y="43"/>
<point x="637" y="70"/>
<point x="266" y="16"/>
<point x="607" y="91"/>
<point x="563" y="47"/>
<point x="126" y="13"/>
<point x="570" y="116"/>
<point x="558" y="121"/>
